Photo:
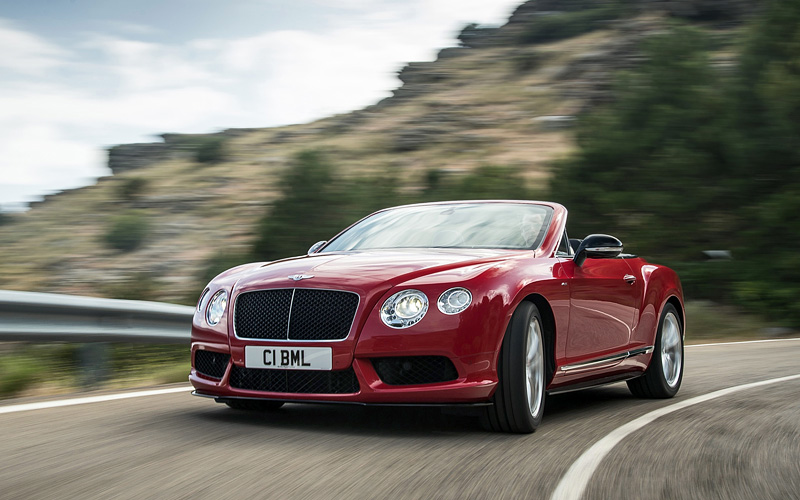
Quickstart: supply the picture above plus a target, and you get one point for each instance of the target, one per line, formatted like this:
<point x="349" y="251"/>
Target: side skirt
<point x="595" y="383"/>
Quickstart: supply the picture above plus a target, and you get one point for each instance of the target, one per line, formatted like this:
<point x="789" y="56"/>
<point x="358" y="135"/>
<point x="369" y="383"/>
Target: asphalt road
<point x="742" y="445"/>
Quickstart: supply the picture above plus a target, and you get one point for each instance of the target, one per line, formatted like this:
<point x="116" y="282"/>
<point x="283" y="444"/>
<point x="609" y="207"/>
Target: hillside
<point x="507" y="97"/>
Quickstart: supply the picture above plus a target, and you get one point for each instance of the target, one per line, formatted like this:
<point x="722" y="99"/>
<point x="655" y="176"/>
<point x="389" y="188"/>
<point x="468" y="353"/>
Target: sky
<point x="78" y="76"/>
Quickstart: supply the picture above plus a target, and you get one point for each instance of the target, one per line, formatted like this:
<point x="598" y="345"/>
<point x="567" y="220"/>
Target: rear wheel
<point x="518" y="401"/>
<point x="253" y="404"/>
<point x="662" y="379"/>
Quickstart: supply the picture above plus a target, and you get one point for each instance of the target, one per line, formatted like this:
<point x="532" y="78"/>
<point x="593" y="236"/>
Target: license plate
<point x="288" y="358"/>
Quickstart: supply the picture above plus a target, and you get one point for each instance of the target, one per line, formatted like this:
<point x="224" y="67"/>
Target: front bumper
<point x="475" y="383"/>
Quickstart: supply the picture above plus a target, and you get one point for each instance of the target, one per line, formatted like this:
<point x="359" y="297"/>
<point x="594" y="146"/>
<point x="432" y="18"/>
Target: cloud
<point x="61" y="105"/>
<point x="57" y="161"/>
<point x="26" y="53"/>
<point x="38" y="159"/>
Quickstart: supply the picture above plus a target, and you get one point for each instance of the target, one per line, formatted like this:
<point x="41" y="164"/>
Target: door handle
<point x="629" y="279"/>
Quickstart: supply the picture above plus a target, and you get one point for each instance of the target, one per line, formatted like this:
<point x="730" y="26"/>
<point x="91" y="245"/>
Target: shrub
<point x="525" y="62"/>
<point x="131" y="188"/>
<point x="126" y="232"/>
<point x="16" y="375"/>
<point x="210" y="150"/>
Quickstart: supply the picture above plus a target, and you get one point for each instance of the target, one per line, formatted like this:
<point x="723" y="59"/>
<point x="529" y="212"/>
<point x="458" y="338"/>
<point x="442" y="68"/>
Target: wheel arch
<point x="678" y="305"/>
<point x="549" y="327"/>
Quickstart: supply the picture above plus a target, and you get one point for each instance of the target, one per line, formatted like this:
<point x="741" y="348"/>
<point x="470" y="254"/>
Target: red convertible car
<point x="485" y="304"/>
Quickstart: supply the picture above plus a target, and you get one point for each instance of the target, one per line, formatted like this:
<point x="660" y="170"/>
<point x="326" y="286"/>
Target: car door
<point x="602" y="307"/>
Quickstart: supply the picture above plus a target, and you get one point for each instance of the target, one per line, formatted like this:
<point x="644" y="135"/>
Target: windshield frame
<point x="537" y="242"/>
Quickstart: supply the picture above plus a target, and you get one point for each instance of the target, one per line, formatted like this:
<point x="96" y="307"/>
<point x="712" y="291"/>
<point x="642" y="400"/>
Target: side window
<point x="564" y="248"/>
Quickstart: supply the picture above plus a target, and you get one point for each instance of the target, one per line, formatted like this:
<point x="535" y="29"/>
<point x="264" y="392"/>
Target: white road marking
<point x="89" y="399"/>
<point x="742" y="342"/>
<point x="574" y="482"/>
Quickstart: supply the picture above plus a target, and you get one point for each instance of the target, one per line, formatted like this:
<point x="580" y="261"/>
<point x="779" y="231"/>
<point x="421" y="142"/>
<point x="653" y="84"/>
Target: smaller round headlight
<point x="454" y="301"/>
<point x="216" y="307"/>
<point x="404" y="309"/>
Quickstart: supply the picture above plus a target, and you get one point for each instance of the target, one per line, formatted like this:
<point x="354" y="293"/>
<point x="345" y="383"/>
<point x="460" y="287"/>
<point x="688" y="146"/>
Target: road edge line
<point x="89" y="399"/>
<point x="573" y="484"/>
<point x="741" y="342"/>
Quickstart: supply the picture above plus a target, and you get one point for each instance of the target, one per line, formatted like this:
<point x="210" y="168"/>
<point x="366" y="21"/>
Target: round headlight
<point x="454" y="301"/>
<point x="404" y="309"/>
<point x="216" y="307"/>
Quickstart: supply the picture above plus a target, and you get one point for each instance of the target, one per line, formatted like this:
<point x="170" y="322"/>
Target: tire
<point x="663" y="376"/>
<point x="253" y="404"/>
<point x="518" y="401"/>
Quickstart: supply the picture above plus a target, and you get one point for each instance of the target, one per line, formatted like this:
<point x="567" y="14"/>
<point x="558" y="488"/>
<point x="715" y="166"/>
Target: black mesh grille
<point x="211" y="364"/>
<point x="415" y="370"/>
<point x="322" y="314"/>
<point x="295" y="381"/>
<point x="315" y="314"/>
<point x="263" y="314"/>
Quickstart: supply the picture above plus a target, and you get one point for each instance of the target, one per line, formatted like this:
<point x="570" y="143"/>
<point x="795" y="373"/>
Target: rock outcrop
<point x="127" y="157"/>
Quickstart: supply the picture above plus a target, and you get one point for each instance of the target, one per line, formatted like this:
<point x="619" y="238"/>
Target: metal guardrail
<point x="30" y="316"/>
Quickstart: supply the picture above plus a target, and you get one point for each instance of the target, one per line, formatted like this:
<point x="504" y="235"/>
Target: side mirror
<point x="316" y="246"/>
<point x="597" y="246"/>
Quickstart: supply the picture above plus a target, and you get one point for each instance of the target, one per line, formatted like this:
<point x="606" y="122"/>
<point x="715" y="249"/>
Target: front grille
<point x="211" y="364"/>
<point x="295" y="314"/>
<point x="295" y="381"/>
<point x="411" y="370"/>
<point x="263" y="314"/>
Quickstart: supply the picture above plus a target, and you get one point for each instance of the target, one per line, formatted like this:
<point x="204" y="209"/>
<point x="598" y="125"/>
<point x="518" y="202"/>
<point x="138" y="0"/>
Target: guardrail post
<point x="93" y="361"/>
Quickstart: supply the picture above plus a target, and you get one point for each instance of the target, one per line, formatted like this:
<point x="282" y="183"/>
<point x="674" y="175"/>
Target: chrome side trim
<point x="604" y="249"/>
<point x="606" y="360"/>
<point x="643" y="350"/>
<point x="288" y="340"/>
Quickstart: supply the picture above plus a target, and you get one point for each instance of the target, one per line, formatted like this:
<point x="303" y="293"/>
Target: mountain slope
<point x="501" y="99"/>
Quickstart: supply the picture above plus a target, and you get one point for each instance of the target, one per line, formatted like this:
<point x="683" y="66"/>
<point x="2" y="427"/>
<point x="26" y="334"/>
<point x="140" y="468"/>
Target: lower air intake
<point x="295" y="381"/>
<point x="412" y="370"/>
<point x="211" y="364"/>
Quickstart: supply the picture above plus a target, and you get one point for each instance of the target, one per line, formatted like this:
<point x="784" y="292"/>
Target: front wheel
<point x="663" y="377"/>
<point x="518" y="401"/>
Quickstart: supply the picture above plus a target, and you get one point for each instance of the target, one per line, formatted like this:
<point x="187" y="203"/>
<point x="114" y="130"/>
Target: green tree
<point x="309" y="209"/>
<point x="486" y="182"/>
<point x="654" y="166"/>
<point x="768" y="97"/>
<point x="580" y="17"/>
<point x="685" y="160"/>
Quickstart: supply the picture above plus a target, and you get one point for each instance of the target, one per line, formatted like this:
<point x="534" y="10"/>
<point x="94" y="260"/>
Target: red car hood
<point x="364" y="271"/>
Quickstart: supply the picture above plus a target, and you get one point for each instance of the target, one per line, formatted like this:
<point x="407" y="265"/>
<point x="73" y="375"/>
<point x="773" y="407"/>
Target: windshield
<point x="517" y="226"/>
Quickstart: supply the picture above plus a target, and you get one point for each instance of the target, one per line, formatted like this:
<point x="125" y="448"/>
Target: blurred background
<point x="185" y="138"/>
